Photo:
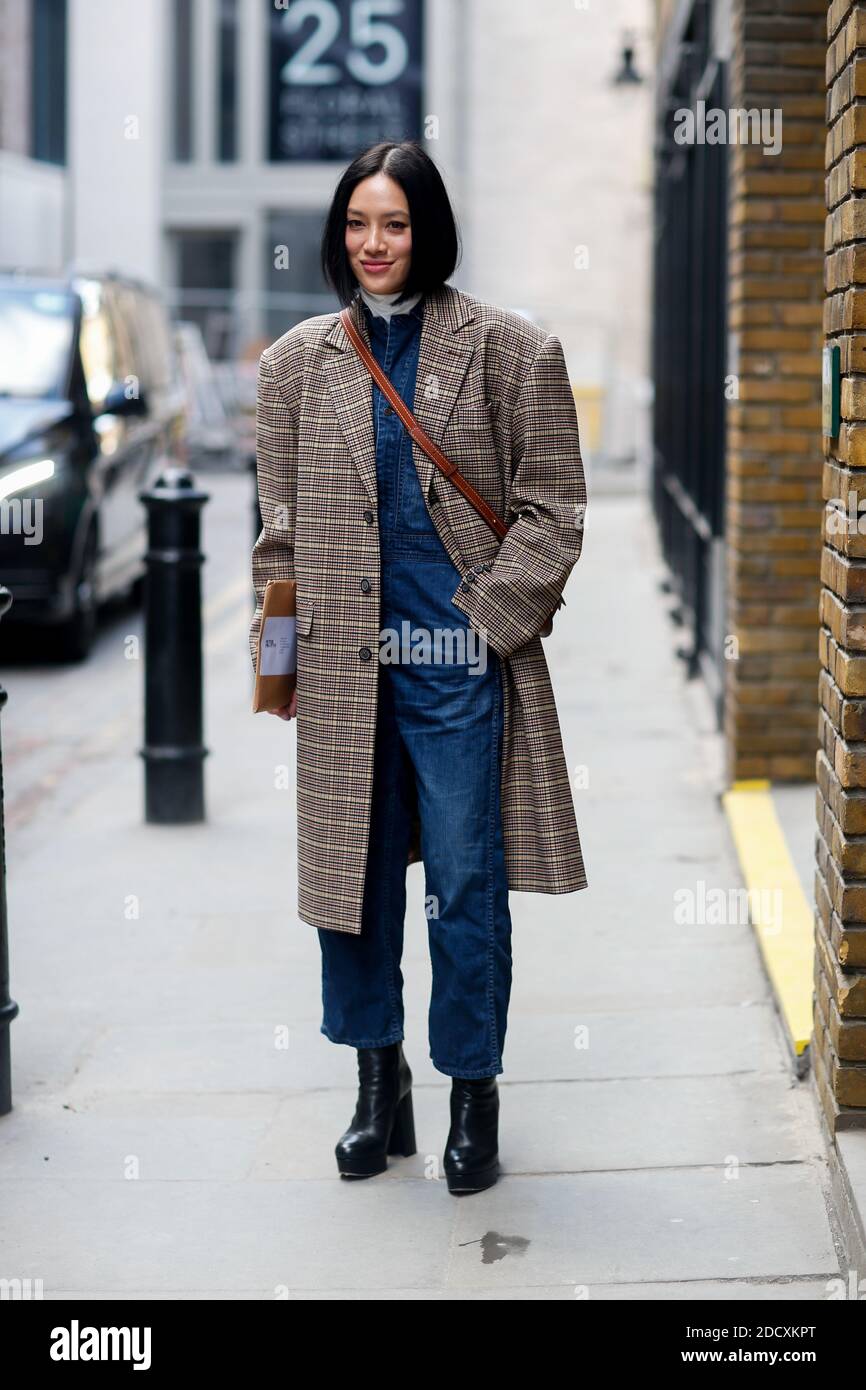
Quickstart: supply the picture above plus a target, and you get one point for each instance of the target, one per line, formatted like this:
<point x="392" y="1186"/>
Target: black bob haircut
<point x="435" y="241"/>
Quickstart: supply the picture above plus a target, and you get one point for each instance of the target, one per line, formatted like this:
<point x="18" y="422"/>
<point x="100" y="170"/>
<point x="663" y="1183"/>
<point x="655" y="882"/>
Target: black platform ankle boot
<point x="383" y="1122"/>
<point x="472" y="1149"/>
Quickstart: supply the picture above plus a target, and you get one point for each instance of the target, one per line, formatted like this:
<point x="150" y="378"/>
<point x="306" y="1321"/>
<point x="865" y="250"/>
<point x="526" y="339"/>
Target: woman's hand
<point x="290" y="710"/>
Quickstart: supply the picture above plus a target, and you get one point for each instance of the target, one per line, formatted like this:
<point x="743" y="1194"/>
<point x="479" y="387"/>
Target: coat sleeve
<point x="276" y="476"/>
<point x="511" y="598"/>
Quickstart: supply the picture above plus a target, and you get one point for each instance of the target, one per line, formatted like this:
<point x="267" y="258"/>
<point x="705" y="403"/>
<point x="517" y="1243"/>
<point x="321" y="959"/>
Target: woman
<point x="426" y="721"/>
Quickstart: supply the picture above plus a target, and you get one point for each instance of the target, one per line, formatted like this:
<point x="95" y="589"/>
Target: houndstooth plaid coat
<point x="493" y="393"/>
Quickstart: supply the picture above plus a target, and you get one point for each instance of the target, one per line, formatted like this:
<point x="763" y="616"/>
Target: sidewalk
<point x="176" y="1106"/>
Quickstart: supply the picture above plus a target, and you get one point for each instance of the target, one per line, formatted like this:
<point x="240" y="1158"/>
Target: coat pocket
<point x="475" y="414"/>
<point x="304" y="610"/>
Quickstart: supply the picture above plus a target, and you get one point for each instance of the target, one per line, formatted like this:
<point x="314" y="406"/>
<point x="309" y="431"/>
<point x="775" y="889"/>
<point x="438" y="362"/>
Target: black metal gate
<point x="690" y="341"/>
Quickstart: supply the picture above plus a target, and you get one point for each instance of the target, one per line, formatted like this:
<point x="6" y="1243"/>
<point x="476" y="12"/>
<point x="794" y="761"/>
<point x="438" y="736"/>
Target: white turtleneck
<point x="383" y="304"/>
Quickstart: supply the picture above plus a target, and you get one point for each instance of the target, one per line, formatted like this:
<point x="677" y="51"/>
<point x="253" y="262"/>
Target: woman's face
<point x="378" y="234"/>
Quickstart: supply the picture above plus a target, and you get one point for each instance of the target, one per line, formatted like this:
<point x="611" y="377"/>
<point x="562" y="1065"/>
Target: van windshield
<point x="36" y="327"/>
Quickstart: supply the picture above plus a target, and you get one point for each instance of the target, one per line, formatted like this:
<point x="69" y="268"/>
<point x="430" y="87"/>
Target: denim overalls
<point x="439" y="721"/>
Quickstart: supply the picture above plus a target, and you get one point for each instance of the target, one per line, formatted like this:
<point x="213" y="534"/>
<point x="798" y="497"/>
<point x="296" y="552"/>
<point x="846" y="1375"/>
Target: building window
<point x="205" y="292"/>
<point x="690" y="349"/>
<point x="183" y="84"/>
<point x="294" y="286"/>
<point x="48" y="75"/>
<point x="227" y="82"/>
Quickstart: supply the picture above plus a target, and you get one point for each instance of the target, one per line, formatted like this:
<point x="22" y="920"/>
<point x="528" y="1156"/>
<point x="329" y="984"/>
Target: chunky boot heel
<point x="472" y="1149"/>
<point x="402" y="1141"/>
<point x="383" y="1121"/>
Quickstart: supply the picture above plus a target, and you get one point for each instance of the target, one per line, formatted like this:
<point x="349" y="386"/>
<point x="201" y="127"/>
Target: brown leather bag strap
<point x="422" y="439"/>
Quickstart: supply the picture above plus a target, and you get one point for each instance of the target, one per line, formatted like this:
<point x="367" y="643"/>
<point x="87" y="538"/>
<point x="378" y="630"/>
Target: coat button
<point x="368" y="517"/>
<point x="389" y="410"/>
<point x="366" y="586"/>
<point x="365" y="653"/>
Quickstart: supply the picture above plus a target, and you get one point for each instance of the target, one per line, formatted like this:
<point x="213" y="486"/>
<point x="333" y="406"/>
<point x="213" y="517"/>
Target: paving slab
<point x="667" y="1225"/>
<point x="229" y="1236"/>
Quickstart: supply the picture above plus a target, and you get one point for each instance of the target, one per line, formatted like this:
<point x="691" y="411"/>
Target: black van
<point x="91" y="407"/>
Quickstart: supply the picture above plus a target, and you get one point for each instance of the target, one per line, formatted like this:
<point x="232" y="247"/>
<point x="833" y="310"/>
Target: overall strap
<point x="422" y="439"/>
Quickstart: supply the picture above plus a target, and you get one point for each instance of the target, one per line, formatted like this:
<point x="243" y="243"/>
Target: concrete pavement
<point x="176" y="1106"/>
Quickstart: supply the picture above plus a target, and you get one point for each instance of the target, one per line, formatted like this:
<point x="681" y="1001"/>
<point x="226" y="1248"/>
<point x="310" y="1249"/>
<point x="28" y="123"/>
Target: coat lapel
<point x="443" y="360"/>
<point x="444" y="355"/>
<point x="351" y="389"/>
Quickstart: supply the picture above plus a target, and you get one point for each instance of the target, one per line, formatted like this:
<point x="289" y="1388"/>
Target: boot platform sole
<point x="401" y="1145"/>
<point x="462" y="1184"/>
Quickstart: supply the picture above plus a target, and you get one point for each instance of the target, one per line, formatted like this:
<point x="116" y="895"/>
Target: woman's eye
<point x="395" y="226"/>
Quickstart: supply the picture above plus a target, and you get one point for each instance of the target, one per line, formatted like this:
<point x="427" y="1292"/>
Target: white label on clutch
<point x="279" y="647"/>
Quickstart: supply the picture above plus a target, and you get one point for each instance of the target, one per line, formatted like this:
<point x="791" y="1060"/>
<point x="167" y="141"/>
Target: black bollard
<point x="173" y="750"/>
<point x="8" y="1007"/>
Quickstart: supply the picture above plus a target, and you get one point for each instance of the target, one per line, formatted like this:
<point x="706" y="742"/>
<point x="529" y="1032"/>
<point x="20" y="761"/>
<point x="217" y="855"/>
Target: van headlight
<point x="24" y="475"/>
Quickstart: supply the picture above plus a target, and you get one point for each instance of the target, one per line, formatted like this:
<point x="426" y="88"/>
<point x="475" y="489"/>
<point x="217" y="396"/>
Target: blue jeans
<point x="440" y="723"/>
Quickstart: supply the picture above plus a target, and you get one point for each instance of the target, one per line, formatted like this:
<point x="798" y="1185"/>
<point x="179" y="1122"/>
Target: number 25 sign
<point x="344" y="74"/>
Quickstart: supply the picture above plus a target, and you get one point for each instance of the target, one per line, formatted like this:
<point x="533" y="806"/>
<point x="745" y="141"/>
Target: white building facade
<point x="204" y="139"/>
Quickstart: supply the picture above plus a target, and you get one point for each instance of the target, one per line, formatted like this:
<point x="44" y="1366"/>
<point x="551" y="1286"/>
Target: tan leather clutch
<point x="277" y="649"/>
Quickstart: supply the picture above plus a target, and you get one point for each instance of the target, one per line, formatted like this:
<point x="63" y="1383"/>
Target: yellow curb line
<point x="787" y="946"/>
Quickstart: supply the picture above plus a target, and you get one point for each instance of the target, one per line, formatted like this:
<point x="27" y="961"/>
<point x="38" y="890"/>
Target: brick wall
<point x="840" y="880"/>
<point x="774" y="428"/>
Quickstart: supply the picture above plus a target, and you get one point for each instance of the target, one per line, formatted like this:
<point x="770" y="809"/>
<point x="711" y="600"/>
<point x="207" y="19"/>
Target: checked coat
<point x="493" y="393"/>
